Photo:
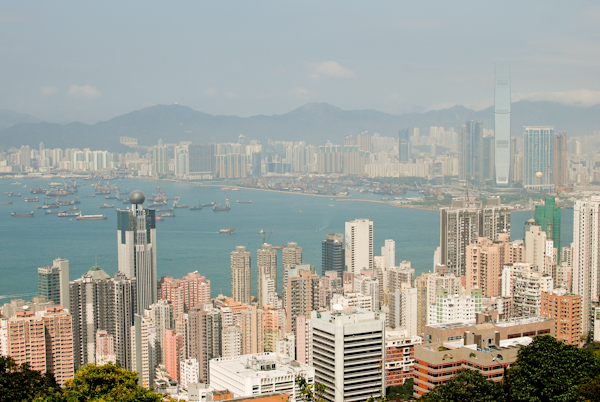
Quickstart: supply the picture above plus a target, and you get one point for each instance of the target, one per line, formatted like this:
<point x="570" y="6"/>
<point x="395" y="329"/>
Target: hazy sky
<point x="65" y="61"/>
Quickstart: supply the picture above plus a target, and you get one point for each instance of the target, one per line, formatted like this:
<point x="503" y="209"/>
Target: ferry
<point x="244" y="202"/>
<point x="31" y="199"/>
<point x="105" y="205"/>
<point x="29" y="215"/>
<point x="66" y="214"/>
<point x="235" y="189"/>
<point x="90" y="217"/>
<point x="228" y="231"/>
<point x="226" y="189"/>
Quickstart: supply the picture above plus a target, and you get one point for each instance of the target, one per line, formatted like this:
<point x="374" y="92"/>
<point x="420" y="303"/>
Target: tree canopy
<point x="549" y="370"/>
<point x="18" y="382"/>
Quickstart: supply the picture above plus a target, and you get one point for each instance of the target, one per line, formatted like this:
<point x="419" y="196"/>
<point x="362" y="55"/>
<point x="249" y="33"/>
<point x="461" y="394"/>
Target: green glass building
<point x="548" y="217"/>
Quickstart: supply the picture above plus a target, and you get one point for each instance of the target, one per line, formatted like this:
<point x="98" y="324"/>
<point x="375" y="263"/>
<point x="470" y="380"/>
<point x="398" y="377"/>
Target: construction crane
<point x="265" y="235"/>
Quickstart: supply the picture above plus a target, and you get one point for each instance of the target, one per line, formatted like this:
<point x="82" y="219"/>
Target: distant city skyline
<point x="90" y="63"/>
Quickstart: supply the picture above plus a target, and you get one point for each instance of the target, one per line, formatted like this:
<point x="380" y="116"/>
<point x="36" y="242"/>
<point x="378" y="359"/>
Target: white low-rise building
<point x="189" y="370"/>
<point x="258" y="374"/>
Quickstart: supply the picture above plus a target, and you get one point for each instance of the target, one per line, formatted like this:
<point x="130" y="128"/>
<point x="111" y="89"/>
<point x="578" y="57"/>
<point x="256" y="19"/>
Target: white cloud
<point x="575" y="97"/>
<point x="48" y="91"/>
<point x="84" y="92"/>
<point x="210" y="92"/>
<point x="299" y="92"/>
<point x="329" y="69"/>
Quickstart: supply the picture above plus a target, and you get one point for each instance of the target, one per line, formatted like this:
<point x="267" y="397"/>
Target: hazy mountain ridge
<point x="314" y="123"/>
<point x="9" y="118"/>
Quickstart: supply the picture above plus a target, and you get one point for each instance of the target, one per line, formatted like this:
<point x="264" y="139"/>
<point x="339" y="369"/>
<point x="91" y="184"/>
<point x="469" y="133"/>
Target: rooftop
<point x="264" y="365"/>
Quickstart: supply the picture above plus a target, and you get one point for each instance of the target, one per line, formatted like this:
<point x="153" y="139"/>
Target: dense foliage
<point x="21" y="383"/>
<point x="466" y="386"/>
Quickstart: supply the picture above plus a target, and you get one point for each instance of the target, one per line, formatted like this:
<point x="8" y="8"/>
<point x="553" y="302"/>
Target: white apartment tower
<point x="348" y="351"/>
<point x="586" y="256"/>
<point x="388" y="251"/>
<point x="136" y="239"/>
<point x="359" y="246"/>
<point x="241" y="275"/>
<point x="266" y="266"/>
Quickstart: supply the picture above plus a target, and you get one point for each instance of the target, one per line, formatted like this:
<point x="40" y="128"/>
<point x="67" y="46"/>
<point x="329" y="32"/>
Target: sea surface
<point x="190" y="241"/>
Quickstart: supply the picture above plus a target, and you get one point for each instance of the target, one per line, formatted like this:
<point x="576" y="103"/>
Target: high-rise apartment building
<point x="144" y="350"/>
<point x="548" y="216"/>
<point x="266" y="266"/>
<point x="404" y="145"/>
<point x="560" y="160"/>
<point x="450" y="308"/>
<point x="302" y="296"/>
<point x="99" y="302"/>
<point x="359" y="246"/>
<point x="462" y="224"/>
<point x="173" y="348"/>
<point x="160" y="160"/>
<point x="105" y="348"/>
<point x="470" y="151"/>
<point x="502" y="148"/>
<point x="333" y="254"/>
<point x="204" y="337"/>
<point x="348" y="354"/>
<point x="388" y="251"/>
<point x="185" y="293"/>
<point x="136" y="239"/>
<point x="201" y="158"/>
<point x="565" y="309"/>
<point x="539" y="158"/>
<point x="161" y="314"/>
<point x="403" y="308"/>
<point x="291" y="255"/>
<point x="484" y="270"/>
<point x="241" y="275"/>
<point x="399" y="356"/>
<point x="53" y="282"/>
<point x="586" y="256"/>
<point x="252" y="330"/>
<point x="43" y="340"/>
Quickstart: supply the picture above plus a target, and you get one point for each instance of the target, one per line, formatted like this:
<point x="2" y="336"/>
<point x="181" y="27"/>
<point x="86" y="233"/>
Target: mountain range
<point x="314" y="123"/>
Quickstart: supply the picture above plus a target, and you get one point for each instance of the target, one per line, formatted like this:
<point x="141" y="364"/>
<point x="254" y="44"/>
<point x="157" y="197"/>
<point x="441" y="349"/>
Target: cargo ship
<point x="244" y="202"/>
<point x="16" y="215"/>
<point x="6" y="203"/>
<point x="228" y="231"/>
<point x="90" y="217"/>
<point x="218" y="208"/>
<point x="31" y="199"/>
<point x="38" y="190"/>
<point x="14" y="195"/>
<point x="66" y="214"/>
<point x="105" y="205"/>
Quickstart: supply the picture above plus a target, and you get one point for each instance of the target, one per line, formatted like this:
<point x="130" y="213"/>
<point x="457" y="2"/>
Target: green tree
<point x="549" y="370"/>
<point x="589" y="391"/>
<point x="466" y="386"/>
<point x="405" y="390"/>
<point x="108" y="383"/>
<point x="18" y="382"/>
<point x="310" y="392"/>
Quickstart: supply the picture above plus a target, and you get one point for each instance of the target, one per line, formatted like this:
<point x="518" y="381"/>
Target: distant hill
<point x="8" y="118"/>
<point x="314" y="123"/>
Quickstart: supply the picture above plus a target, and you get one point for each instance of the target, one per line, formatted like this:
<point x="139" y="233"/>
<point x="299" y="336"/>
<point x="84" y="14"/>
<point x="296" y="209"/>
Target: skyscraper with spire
<point x="136" y="239"/>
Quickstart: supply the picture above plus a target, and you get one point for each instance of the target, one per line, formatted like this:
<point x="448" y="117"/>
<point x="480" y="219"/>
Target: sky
<point x="81" y="61"/>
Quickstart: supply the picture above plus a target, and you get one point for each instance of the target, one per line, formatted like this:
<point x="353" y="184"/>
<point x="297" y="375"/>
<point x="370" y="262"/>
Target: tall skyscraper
<point x="359" y="246"/>
<point x="560" y="159"/>
<point x="160" y="160"/>
<point x="53" y="282"/>
<point x="342" y="336"/>
<point x="471" y="151"/>
<point x="136" y="230"/>
<point x="333" y="254"/>
<point x="302" y="296"/>
<point x="586" y="263"/>
<point x="388" y="251"/>
<point x="266" y="266"/>
<point x="403" y="145"/>
<point x="241" y="275"/>
<point x="538" y="143"/>
<point x="202" y="158"/>
<point x="502" y="125"/>
<point x="548" y="216"/>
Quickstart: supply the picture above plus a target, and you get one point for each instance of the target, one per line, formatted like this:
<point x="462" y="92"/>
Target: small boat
<point x="72" y="209"/>
<point x="7" y="193"/>
<point x="15" y="184"/>
<point x="48" y="212"/>
<point x="181" y="206"/>
<point x="89" y="196"/>
<point x="261" y="231"/>
<point x="195" y="207"/>
<point x="209" y="205"/>
<point x="167" y="215"/>
<point x="226" y="189"/>
<point x="244" y="202"/>
<point x="164" y="211"/>
<point x="235" y="189"/>
<point x="16" y="215"/>
<point x="14" y="195"/>
<point x="228" y="231"/>
<point x="31" y="199"/>
<point x="111" y="197"/>
<point x="90" y="217"/>
<point x="105" y="205"/>
<point x="6" y="203"/>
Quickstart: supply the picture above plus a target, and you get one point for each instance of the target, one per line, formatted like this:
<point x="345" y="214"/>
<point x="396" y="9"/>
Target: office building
<point x="259" y="374"/>
<point x="565" y="309"/>
<point x="538" y="158"/>
<point x="560" y="160"/>
<point x="502" y="148"/>
<point x="43" y="340"/>
<point x="266" y="266"/>
<point x="348" y="351"/>
<point x="399" y="356"/>
<point x="99" y="302"/>
<point x="53" y="282"/>
<point x="256" y="164"/>
<point x="403" y="145"/>
<point x="548" y="217"/>
<point x="333" y="254"/>
<point x="241" y="275"/>
<point x="586" y="264"/>
<point x="359" y="246"/>
<point x="470" y="151"/>
<point x="136" y="239"/>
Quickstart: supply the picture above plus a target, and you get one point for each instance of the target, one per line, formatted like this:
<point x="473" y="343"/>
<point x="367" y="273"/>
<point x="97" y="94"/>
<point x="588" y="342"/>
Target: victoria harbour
<point x="191" y="240"/>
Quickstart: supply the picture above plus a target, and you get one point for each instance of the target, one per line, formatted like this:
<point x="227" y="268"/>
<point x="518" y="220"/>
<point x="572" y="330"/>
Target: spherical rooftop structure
<point x="137" y="197"/>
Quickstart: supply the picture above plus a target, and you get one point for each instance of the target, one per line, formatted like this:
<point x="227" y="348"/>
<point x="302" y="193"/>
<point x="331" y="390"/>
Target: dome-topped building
<point x="137" y="197"/>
